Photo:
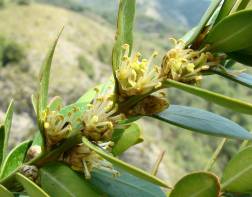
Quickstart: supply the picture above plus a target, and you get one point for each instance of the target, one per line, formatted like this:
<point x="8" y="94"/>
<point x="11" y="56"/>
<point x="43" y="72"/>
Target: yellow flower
<point x="186" y="65"/>
<point x="56" y="126"/>
<point x="83" y="159"/>
<point x="99" y="120"/>
<point x="137" y="76"/>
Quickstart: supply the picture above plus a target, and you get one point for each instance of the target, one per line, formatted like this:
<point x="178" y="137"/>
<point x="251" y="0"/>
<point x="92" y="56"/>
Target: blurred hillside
<point x="82" y="59"/>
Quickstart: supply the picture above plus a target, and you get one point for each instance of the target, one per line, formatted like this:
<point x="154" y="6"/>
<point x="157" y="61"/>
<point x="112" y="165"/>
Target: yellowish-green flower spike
<point x="56" y="127"/>
<point x="137" y="76"/>
<point x="99" y="120"/>
<point x="83" y="159"/>
<point x="186" y="65"/>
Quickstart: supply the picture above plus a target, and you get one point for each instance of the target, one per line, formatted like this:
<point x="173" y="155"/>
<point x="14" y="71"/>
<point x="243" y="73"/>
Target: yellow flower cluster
<point x="99" y="120"/>
<point x="137" y="76"/>
<point x="83" y="159"/>
<point x="56" y="126"/>
<point x="186" y="65"/>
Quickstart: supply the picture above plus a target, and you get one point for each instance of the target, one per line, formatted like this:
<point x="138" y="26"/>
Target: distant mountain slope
<point x="185" y="12"/>
<point x="36" y="26"/>
<point x="152" y="16"/>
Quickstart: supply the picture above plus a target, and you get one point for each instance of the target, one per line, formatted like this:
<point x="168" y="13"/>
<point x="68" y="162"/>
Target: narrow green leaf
<point x="76" y="117"/>
<point x="58" y="179"/>
<point x="242" y="78"/>
<point x="15" y="158"/>
<point x="124" y="34"/>
<point x="34" y="103"/>
<point x="4" y="192"/>
<point x="126" y="138"/>
<point x="2" y="135"/>
<point x="90" y="94"/>
<point x="37" y="139"/>
<point x="208" y="14"/>
<point x="30" y="187"/>
<point x="219" y="99"/>
<point x="243" y="4"/>
<point x="237" y="175"/>
<point x="129" y="168"/>
<point x="199" y="184"/>
<point x="7" y="128"/>
<point x="202" y="121"/>
<point x="225" y="9"/>
<point x="124" y="185"/>
<point x="87" y="97"/>
<point x="187" y="37"/>
<point x="56" y="103"/>
<point x="232" y="33"/>
<point x="44" y="78"/>
<point x="241" y="57"/>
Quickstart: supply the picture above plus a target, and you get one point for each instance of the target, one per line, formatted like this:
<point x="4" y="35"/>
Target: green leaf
<point x="34" y="103"/>
<point x="237" y="175"/>
<point x="56" y="103"/>
<point x="208" y="14"/>
<point x="5" y="132"/>
<point x="219" y="99"/>
<point x="15" y="158"/>
<point x="44" y="78"/>
<point x="241" y="57"/>
<point x="87" y="97"/>
<point x="31" y="188"/>
<point x="199" y="184"/>
<point x="129" y="168"/>
<point x="37" y="139"/>
<point x="124" y="185"/>
<point x="203" y="122"/>
<point x="125" y="138"/>
<point x="225" y="9"/>
<point x="232" y="33"/>
<point x="243" y="4"/>
<point x="90" y="94"/>
<point x="187" y="37"/>
<point x="4" y="192"/>
<point x="2" y="133"/>
<point x="79" y="109"/>
<point x="59" y="180"/>
<point x="242" y="78"/>
<point x="124" y="34"/>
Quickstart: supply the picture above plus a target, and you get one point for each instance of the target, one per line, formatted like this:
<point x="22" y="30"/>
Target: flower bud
<point x="33" y="152"/>
<point x="31" y="172"/>
<point x="150" y="105"/>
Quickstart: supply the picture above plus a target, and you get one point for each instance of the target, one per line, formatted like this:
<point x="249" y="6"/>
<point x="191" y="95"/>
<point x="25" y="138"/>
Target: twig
<point x="215" y="155"/>
<point x="157" y="163"/>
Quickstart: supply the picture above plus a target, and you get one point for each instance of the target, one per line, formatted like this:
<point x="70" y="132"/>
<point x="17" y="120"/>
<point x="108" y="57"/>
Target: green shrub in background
<point x="104" y="53"/>
<point x="24" y="2"/>
<point x="10" y="52"/>
<point x="86" y="66"/>
<point x="2" y="3"/>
